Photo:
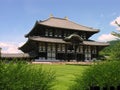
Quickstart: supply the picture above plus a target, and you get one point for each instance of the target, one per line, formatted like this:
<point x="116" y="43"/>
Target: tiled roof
<point x="56" y="40"/>
<point x="66" y="24"/>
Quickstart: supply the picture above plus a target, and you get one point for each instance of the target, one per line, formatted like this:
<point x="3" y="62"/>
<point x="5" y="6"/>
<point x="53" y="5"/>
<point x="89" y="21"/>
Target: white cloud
<point x="8" y="47"/>
<point x="106" y="37"/>
<point x="113" y="23"/>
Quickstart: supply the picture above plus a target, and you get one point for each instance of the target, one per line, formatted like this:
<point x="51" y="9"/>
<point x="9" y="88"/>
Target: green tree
<point x="103" y="74"/>
<point x="115" y="52"/>
<point x="17" y="75"/>
<point x="117" y="34"/>
<point x="107" y="50"/>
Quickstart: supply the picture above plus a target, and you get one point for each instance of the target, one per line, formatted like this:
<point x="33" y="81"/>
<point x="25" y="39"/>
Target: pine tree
<point x="117" y="34"/>
<point x="115" y="54"/>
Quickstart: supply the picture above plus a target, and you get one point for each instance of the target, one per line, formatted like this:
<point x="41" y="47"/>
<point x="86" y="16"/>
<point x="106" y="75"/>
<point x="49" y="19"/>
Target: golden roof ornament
<point x="66" y="17"/>
<point x="51" y="15"/>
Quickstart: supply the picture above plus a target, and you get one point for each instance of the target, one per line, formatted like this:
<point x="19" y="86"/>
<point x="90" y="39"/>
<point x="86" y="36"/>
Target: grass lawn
<point x="65" y="74"/>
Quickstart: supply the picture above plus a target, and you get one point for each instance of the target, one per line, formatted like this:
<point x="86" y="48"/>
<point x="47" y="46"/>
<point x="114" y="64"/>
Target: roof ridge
<point x="51" y="18"/>
<point x="58" y="18"/>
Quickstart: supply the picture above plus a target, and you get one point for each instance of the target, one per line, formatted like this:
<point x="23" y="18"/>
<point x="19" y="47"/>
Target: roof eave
<point x="36" y="23"/>
<point x="91" y="43"/>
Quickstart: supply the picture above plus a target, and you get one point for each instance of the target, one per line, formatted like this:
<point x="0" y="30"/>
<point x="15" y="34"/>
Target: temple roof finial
<point x="66" y="17"/>
<point x="51" y="15"/>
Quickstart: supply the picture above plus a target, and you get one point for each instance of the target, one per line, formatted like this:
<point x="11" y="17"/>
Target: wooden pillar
<point x="53" y="32"/>
<point x="46" y="47"/>
<point x="56" y="50"/>
<point x="97" y="50"/>
<point x="65" y="55"/>
<point x="83" y="58"/>
<point x="66" y="48"/>
<point x="91" y="52"/>
<point x="62" y="33"/>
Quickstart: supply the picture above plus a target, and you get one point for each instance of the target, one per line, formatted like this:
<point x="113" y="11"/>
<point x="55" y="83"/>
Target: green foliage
<point x="108" y="50"/>
<point x="115" y="52"/>
<point x="117" y="34"/>
<point x="23" y="76"/>
<point x="101" y="74"/>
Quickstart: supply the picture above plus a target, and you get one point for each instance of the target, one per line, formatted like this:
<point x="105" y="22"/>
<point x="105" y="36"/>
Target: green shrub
<point x="102" y="74"/>
<point x="23" y="76"/>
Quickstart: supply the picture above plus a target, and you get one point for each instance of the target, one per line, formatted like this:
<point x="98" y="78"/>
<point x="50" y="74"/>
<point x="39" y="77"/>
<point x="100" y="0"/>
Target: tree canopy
<point x="117" y="34"/>
<point x="113" y="51"/>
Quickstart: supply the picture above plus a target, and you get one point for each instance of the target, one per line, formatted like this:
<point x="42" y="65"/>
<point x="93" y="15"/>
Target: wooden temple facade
<point x="61" y="39"/>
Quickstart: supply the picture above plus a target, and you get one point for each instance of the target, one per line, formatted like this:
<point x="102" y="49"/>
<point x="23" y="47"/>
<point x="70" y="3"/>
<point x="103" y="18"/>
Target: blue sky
<point x="17" y="17"/>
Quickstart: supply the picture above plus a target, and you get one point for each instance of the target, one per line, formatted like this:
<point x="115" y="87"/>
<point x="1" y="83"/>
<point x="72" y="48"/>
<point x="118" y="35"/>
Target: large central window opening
<point x="51" y="52"/>
<point x="87" y="53"/>
<point x="41" y="47"/>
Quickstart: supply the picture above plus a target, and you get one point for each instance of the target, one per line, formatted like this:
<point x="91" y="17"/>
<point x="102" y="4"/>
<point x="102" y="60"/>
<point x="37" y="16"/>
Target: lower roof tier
<point x="33" y="41"/>
<point x="56" y="40"/>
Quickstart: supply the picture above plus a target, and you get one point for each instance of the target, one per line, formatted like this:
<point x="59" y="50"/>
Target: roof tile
<point x="65" y="23"/>
<point x="56" y="40"/>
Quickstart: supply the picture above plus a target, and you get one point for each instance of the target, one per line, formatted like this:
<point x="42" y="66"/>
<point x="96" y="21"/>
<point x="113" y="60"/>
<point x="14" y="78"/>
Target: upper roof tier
<point x="60" y="23"/>
<point x="66" y="24"/>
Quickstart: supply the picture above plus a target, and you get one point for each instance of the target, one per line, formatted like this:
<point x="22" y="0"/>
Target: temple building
<point x="61" y="39"/>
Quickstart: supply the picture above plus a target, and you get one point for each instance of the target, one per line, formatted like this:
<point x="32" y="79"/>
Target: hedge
<point x="22" y="76"/>
<point x="103" y="74"/>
